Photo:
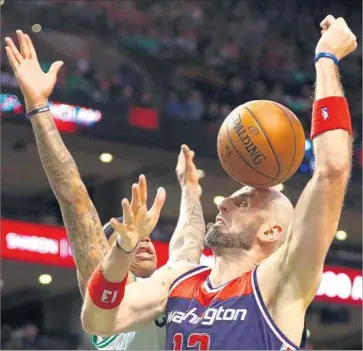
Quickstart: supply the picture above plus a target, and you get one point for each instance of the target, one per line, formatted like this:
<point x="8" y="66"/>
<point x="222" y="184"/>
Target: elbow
<point x="69" y="194"/>
<point x="334" y="170"/>
<point x="93" y="325"/>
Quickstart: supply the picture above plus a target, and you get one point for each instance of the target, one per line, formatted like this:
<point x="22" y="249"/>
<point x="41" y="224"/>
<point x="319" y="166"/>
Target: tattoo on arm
<point x="88" y="242"/>
<point x="84" y="229"/>
<point x="187" y="242"/>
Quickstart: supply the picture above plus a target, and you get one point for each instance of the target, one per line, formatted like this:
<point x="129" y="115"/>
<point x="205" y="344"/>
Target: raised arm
<point x="110" y="307"/>
<point x="80" y="217"/>
<point x="187" y="242"/>
<point x="317" y="214"/>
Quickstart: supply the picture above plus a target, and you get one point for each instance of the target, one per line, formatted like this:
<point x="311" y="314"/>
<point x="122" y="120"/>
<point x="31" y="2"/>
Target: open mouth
<point x="144" y="253"/>
<point x="220" y="220"/>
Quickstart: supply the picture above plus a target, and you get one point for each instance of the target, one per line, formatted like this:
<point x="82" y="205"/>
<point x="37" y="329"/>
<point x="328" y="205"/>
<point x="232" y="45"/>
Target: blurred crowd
<point x="22" y="338"/>
<point x="204" y="57"/>
<point x="28" y="337"/>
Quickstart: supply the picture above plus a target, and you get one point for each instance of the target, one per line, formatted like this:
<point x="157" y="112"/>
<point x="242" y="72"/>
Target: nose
<point x="225" y="205"/>
<point x="146" y="240"/>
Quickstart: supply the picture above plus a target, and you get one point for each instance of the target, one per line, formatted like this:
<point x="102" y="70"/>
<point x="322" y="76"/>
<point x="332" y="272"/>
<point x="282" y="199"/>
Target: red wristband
<point x="330" y="113"/>
<point x="104" y="294"/>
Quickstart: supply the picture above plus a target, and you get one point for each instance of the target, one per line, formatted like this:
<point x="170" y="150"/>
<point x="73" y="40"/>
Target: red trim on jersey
<point x="193" y="288"/>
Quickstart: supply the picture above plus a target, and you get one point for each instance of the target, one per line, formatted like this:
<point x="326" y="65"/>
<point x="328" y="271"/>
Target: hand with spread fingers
<point x="186" y="170"/>
<point x="139" y="222"/>
<point x="35" y="85"/>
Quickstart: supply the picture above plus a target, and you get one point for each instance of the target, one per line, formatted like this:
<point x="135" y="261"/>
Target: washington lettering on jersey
<point x="210" y="316"/>
<point x="230" y="317"/>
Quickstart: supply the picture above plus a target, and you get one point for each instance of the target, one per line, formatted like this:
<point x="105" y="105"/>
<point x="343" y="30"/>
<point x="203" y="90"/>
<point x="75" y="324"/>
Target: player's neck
<point x="231" y="266"/>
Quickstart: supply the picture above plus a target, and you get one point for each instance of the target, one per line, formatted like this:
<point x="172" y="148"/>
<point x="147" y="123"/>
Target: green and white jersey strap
<point x="115" y="342"/>
<point x="150" y="337"/>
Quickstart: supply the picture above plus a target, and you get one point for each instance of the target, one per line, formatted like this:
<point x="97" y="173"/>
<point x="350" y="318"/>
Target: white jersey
<point x="151" y="337"/>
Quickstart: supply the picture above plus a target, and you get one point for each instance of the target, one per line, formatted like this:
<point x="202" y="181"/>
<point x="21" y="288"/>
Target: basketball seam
<point x="235" y="149"/>
<point x="268" y="140"/>
<point x="293" y="132"/>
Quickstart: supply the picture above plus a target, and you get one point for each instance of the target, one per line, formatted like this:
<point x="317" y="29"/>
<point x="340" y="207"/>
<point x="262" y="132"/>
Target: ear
<point x="270" y="233"/>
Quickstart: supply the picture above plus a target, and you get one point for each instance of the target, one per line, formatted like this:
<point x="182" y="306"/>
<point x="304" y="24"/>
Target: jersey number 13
<point x="200" y="340"/>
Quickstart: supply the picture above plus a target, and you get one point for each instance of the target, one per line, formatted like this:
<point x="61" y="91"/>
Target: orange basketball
<point x="261" y="143"/>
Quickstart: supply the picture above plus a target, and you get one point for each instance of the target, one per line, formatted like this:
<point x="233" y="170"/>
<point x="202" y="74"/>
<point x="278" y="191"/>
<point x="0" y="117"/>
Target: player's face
<point x="144" y="263"/>
<point x="239" y="219"/>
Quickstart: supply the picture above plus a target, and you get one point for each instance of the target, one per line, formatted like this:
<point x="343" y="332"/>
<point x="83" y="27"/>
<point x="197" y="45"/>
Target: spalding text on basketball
<point x="256" y="155"/>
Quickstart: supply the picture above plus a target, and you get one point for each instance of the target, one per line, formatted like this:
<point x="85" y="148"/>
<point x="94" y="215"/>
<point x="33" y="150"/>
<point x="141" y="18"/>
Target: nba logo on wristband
<point x="324" y="112"/>
<point x="109" y="296"/>
<point x="330" y="113"/>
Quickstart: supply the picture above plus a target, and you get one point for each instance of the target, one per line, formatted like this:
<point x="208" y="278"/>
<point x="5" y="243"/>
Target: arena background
<point x="141" y="78"/>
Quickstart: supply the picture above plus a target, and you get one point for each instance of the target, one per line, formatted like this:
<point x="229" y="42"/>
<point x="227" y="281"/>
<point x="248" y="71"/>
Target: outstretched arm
<point x="143" y="301"/>
<point x="300" y="262"/>
<point x="111" y="307"/>
<point x="80" y="217"/>
<point x="187" y="242"/>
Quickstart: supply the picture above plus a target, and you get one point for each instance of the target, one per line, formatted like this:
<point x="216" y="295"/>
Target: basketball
<point x="261" y="143"/>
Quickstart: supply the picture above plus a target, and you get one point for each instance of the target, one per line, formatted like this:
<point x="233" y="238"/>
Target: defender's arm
<point x="187" y="242"/>
<point x="84" y="229"/>
<point x="142" y="301"/>
<point x="80" y="217"/>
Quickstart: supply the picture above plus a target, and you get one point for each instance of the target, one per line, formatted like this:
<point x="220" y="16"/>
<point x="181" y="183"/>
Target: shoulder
<point x="172" y="270"/>
<point x="190" y="277"/>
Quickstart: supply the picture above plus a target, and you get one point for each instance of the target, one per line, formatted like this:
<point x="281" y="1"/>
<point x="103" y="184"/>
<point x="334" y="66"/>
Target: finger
<point x="14" y="49"/>
<point x="143" y="189"/>
<point x="341" y="20"/>
<point x="12" y="60"/>
<point x="189" y="163"/>
<point x="327" y="22"/>
<point x="33" y="53"/>
<point x="24" y="49"/>
<point x="181" y="158"/>
<point x="185" y="148"/>
<point x="117" y="226"/>
<point x="127" y="212"/>
<point x="135" y="199"/>
<point x="187" y="153"/>
<point x="158" y="204"/>
<point x="54" y="69"/>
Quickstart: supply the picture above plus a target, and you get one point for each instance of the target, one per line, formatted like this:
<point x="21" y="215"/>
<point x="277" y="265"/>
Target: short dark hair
<point x="107" y="228"/>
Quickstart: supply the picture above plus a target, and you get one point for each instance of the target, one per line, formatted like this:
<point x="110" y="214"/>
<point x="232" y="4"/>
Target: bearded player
<point x="269" y="256"/>
<point x="84" y="229"/>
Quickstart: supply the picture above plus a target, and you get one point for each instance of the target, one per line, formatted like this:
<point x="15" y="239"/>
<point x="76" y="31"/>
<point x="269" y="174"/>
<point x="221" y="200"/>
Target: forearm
<point x="81" y="284"/>
<point x="332" y="148"/>
<point x="187" y="242"/>
<point x="116" y="264"/>
<point x="80" y="217"/>
<point x="88" y="242"/>
<point x="58" y="164"/>
<point x="104" y="321"/>
<point x="327" y="79"/>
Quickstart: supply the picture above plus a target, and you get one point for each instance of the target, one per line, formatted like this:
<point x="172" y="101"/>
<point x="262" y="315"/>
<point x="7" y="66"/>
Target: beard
<point x="216" y="238"/>
<point x="220" y="238"/>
